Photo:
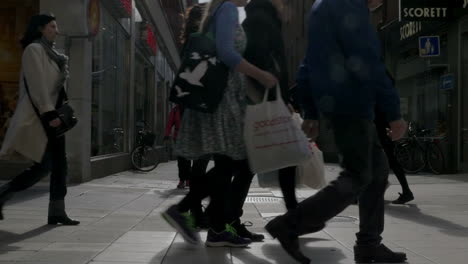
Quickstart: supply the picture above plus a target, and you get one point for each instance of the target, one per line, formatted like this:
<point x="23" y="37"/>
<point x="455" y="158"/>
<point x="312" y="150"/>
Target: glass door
<point x="464" y="97"/>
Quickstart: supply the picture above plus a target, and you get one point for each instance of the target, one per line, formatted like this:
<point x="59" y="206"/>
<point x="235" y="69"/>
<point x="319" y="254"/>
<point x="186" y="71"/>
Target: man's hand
<point x="55" y="123"/>
<point x="397" y="129"/>
<point x="311" y="128"/>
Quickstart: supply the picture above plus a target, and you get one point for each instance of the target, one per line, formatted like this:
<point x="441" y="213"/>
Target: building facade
<point x="123" y="55"/>
<point x="433" y="89"/>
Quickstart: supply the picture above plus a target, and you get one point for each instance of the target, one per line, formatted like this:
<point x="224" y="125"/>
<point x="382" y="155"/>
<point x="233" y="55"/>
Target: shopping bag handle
<point x="267" y="91"/>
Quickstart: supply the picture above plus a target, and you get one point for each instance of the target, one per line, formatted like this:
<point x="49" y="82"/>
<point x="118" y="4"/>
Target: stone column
<point x="72" y="21"/>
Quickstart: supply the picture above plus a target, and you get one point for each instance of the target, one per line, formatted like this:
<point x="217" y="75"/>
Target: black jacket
<point x="265" y="43"/>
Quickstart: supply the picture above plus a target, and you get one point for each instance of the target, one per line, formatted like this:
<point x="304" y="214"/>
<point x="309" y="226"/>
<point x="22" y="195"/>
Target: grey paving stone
<point x="76" y="247"/>
<point x="181" y="253"/>
<point x="133" y="257"/>
<point x="61" y="257"/>
<point x="15" y="255"/>
<point x="140" y="247"/>
<point x="22" y="246"/>
<point x="109" y="262"/>
<point x="137" y="237"/>
<point x="121" y="224"/>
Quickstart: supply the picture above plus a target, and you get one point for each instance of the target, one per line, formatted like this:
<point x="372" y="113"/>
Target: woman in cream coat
<point x="45" y="72"/>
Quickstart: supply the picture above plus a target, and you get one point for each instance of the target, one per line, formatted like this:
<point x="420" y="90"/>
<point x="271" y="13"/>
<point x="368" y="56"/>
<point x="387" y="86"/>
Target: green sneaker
<point x="183" y="222"/>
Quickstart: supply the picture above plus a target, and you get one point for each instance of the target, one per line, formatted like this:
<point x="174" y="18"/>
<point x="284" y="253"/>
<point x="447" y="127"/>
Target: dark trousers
<point x="239" y="190"/>
<point x="364" y="175"/>
<point x="221" y="178"/>
<point x="287" y="182"/>
<point x="198" y="188"/>
<point x="389" y="148"/>
<point x="185" y="168"/>
<point x="53" y="162"/>
<point x="240" y="185"/>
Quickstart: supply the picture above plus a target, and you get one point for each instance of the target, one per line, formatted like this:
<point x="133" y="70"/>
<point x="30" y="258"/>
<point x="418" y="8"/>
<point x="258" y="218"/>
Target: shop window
<point x="144" y="93"/>
<point x="161" y="112"/>
<point x="110" y="62"/>
<point x="14" y="16"/>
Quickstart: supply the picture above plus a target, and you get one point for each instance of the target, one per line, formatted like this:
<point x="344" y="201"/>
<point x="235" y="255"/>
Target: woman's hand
<point x="268" y="80"/>
<point x="55" y="123"/>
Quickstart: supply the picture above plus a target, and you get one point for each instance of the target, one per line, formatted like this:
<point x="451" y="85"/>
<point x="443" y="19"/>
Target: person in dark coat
<point x="342" y="77"/>
<point x="265" y="49"/>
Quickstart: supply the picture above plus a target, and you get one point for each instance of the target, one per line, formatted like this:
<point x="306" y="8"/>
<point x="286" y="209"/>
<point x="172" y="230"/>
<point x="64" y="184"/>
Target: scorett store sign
<point x="432" y="10"/>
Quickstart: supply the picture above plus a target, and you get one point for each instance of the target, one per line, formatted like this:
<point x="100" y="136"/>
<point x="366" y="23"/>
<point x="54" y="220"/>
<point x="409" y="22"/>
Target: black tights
<point x="287" y="181"/>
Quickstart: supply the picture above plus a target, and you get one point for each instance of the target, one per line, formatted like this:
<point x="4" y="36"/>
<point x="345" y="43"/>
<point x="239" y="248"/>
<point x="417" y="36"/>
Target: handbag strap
<point x="63" y="94"/>
<point x="30" y="98"/>
<point x="267" y="91"/>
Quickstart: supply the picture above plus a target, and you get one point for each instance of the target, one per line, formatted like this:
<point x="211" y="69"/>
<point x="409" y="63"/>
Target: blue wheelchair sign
<point x="447" y="81"/>
<point x="429" y="46"/>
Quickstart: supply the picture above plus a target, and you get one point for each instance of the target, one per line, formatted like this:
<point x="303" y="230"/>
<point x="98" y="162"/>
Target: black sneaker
<point x="378" y="254"/>
<point x="243" y="232"/>
<point x="404" y="198"/>
<point x="227" y="238"/>
<point x="183" y="223"/>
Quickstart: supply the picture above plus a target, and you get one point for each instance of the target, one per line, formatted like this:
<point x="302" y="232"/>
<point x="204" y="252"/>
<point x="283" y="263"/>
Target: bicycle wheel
<point x="435" y="158"/>
<point x="411" y="158"/>
<point x="144" y="158"/>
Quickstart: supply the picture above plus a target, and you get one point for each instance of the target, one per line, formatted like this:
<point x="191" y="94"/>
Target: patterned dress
<point x="204" y="134"/>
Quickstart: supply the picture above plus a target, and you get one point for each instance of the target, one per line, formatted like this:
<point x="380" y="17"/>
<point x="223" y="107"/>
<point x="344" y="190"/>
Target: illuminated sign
<point x="94" y="17"/>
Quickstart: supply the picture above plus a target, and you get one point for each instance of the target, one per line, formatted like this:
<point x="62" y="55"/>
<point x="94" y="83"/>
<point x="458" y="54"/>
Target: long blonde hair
<point x="212" y="6"/>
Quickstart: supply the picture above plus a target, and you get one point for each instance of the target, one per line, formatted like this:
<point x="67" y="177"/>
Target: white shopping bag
<point x="273" y="139"/>
<point x="312" y="172"/>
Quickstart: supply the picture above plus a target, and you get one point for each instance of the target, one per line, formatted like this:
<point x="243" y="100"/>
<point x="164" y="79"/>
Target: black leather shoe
<point x="64" y="220"/>
<point x="304" y="230"/>
<point x="5" y="195"/>
<point x="243" y="232"/>
<point x="279" y="229"/>
<point x="378" y="254"/>
<point x="404" y="198"/>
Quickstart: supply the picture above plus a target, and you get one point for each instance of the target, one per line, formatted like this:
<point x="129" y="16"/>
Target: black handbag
<point x="202" y="78"/>
<point x="65" y="113"/>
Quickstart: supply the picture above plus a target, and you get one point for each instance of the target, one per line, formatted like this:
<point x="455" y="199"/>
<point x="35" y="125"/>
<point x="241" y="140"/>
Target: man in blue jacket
<point x="343" y="78"/>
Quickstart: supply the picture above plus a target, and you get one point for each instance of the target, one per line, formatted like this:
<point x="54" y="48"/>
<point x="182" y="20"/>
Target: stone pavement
<point x="121" y="224"/>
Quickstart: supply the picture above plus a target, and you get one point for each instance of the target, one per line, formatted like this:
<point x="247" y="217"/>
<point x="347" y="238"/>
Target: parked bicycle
<point x="144" y="156"/>
<point x="419" y="150"/>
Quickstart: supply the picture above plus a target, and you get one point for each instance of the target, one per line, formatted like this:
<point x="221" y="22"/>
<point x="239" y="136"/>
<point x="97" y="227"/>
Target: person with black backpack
<point x="219" y="134"/>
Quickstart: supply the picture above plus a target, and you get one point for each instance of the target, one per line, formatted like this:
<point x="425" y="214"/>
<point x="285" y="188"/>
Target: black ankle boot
<point x="57" y="214"/>
<point x="377" y="254"/>
<point x="5" y="195"/>
<point x="287" y="236"/>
